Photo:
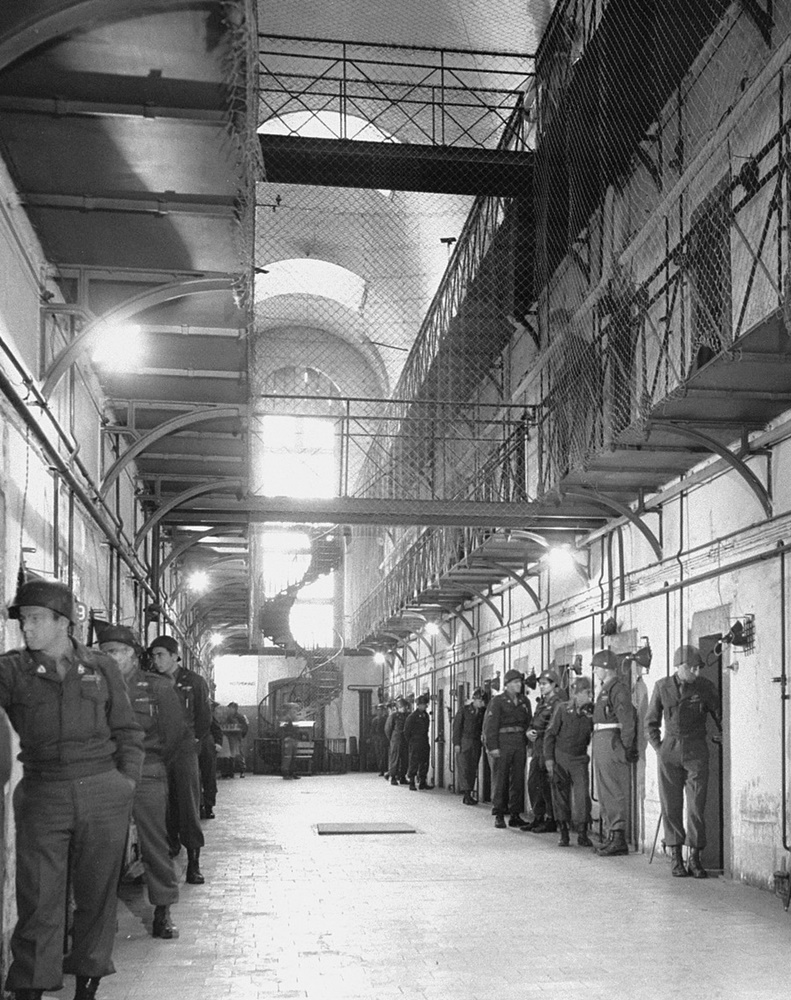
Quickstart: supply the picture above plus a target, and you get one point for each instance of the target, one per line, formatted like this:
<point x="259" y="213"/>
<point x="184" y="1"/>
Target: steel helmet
<point x="605" y="658"/>
<point x="45" y="594"/>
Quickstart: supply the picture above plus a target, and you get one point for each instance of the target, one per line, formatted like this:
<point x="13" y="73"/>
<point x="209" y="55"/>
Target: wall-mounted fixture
<point x="642" y="656"/>
<point x="741" y="634"/>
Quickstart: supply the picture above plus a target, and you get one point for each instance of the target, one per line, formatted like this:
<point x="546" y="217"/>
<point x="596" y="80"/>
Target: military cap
<point x="689" y="655"/>
<point x="605" y="658"/>
<point x="166" y="642"/>
<point x="118" y="633"/>
<point x="512" y="675"/>
<point x="551" y="676"/>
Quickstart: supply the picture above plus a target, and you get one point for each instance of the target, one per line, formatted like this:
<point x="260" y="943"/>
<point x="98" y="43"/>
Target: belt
<point x="512" y="729"/>
<point x="606" y="725"/>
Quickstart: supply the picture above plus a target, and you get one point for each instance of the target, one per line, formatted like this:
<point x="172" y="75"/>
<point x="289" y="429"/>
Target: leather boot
<point x="86" y="987"/>
<point x="677" y="868"/>
<point x="28" y="994"/>
<point x="583" y="840"/>
<point x="516" y="820"/>
<point x="194" y="876"/>
<point x="163" y="925"/>
<point x="615" y="845"/>
<point x="564" y="835"/>
<point x="412" y="785"/>
<point x="694" y="867"/>
<point x="394" y="781"/>
<point x="499" y="821"/>
<point x="423" y="785"/>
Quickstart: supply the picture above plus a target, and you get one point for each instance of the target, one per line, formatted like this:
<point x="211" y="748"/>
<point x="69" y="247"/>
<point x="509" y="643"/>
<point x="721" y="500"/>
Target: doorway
<point x="713" y="855"/>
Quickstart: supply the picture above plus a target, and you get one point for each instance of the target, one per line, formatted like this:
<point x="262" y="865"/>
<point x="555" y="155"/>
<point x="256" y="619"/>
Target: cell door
<point x="713" y="856"/>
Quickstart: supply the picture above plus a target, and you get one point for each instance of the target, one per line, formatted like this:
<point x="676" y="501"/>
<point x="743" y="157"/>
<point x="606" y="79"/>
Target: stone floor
<point x="455" y="911"/>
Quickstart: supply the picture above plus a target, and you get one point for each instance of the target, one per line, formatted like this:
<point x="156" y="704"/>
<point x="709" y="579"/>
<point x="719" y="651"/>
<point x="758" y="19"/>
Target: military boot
<point x="694" y="867"/>
<point x="86" y="987"/>
<point x="412" y="785"/>
<point x="583" y="840"/>
<point x="564" y="835"/>
<point x="394" y="781"/>
<point x="163" y="925"/>
<point x="516" y="820"/>
<point x="499" y="821"/>
<point x="615" y="845"/>
<point x="194" y="876"/>
<point x="677" y="867"/>
<point x="423" y="785"/>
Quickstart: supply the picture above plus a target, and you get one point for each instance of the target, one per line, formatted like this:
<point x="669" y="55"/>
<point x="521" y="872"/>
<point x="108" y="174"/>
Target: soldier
<point x="614" y="751"/>
<point x="566" y="743"/>
<point x="538" y="785"/>
<point x="684" y="701"/>
<point x="158" y="710"/>
<point x="467" y="729"/>
<point x="82" y="752"/>
<point x="378" y="738"/>
<point x="235" y="729"/>
<point x="183" y="814"/>
<point x="394" y="730"/>
<point x="507" y="719"/>
<point x="416" y="730"/>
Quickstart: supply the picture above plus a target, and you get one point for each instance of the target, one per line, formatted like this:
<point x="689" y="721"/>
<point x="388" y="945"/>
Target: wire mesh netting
<point x="493" y="345"/>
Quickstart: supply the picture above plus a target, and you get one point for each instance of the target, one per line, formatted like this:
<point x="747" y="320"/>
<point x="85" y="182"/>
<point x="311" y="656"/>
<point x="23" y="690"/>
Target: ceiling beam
<point x="142" y="203"/>
<point x="57" y="107"/>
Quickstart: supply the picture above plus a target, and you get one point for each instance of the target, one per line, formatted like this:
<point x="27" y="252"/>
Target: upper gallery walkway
<point x="455" y="911"/>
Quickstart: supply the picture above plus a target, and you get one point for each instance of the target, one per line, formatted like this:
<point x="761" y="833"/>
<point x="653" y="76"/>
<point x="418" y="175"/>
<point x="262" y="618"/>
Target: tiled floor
<point x="456" y="911"/>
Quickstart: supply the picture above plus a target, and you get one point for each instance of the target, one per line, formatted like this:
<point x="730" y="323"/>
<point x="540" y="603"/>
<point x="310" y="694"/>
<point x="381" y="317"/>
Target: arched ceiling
<point x="129" y="132"/>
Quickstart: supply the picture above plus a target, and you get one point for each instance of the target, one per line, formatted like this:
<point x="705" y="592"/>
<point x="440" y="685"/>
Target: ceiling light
<point x="380" y="659"/>
<point x="560" y="558"/>
<point x="117" y="346"/>
<point x="215" y="639"/>
<point x="198" y="581"/>
<point x="431" y="628"/>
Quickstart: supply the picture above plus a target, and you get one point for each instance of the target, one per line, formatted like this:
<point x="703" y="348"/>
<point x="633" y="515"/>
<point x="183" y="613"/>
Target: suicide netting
<point x="483" y="332"/>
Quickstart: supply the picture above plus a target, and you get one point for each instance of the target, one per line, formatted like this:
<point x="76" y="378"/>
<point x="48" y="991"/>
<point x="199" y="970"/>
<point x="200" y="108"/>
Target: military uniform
<point x="416" y="729"/>
<point x="379" y="741"/>
<point x="566" y="743"/>
<point x="683" y="753"/>
<point x="82" y="751"/>
<point x="504" y="727"/>
<point x="158" y="710"/>
<point x="614" y="738"/>
<point x="394" y="730"/>
<point x="467" y="730"/>
<point x="538" y="785"/>
<point x="183" y="813"/>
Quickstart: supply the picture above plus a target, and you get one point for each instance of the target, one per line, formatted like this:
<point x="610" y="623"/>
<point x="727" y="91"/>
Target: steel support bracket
<point x="620" y="508"/>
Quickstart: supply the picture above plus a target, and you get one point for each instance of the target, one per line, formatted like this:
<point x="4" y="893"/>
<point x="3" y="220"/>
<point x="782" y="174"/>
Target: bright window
<point x="306" y="276"/>
<point x="297" y="457"/>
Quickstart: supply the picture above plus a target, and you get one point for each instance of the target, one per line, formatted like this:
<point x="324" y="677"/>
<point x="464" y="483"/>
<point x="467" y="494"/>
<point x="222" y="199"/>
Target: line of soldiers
<point x="101" y="741"/>
<point x="400" y="739"/>
<point x="560" y="733"/>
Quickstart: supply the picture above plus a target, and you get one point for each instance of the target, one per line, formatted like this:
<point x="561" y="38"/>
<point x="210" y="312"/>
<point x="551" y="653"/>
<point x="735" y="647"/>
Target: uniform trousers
<point x="85" y="820"/>
<point x="207" y="766"/>
<point x="539" y="788"/>
<point x="570" y="795"/>
<point x="382" y="753"/>
<point x="508" y="793"/>
<point x="183" y="812"/>
<point x="613" y="779"/>
<point x="398" y="757"/>
<point x="148" y="810"/>
<point x="419" y="758"/>
<point x="288" y="756"/>
<point x="683" y="770"/>
<point x="467" y="766"/>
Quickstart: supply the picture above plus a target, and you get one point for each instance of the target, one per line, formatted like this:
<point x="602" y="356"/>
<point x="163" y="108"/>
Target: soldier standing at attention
<point x="507" y="719"/>
<point x="566" y="743"/>
<point x="467" y="729"/>
<point x="394" y="730"/>
<point x="684" y="701"/>
<point x="614" y="751"/>
<point x="183" y="814"/>
<point x="538" y="786"/>
<point x="82" y="752"/>
<point x="158" y="710"/>
<point x="416" y="730"/>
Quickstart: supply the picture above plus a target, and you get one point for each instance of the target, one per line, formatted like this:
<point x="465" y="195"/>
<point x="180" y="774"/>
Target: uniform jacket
<point x="238" y="723"/>
<point x="569" y="730"/>
<point x="376" y="729"/>
<point x="394" y="727"/>
<point x="684" y="708"/>
<point x="468" y="726"/>
<point x="417" y="726"/>
<point x="614" y="704"/>
<point x="503" y="713"/>
<point x="544" y="710"/>
<point x="75" y="727"/>
<point x="193" y="691"/>
<point x="158" y="710"/>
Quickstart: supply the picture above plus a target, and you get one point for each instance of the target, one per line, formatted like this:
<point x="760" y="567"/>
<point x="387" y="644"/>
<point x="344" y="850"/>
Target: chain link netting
<point x="491" y="346"/>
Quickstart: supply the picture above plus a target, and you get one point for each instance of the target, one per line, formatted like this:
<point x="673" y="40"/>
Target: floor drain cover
<point x="351" y="829"/>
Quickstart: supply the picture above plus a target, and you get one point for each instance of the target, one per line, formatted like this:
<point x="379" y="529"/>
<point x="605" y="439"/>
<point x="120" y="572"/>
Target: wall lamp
<point x="642" y="656"/>
<point x="741" y="634"/>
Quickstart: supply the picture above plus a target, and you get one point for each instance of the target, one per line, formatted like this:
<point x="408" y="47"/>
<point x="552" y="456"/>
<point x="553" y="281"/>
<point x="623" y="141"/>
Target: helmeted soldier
<point x="538" y="785"/>
<point x="504" y="726"/>
<point x="82" y="752"/>
<point x="683" y="701"/>
<point x="416" y="730"/>
<point x="614" y="751"/>
<point x="183" y="813"/>
<point x="467" y="730"/>
<point x="158" y="710"/>
<point x="566" y="743"/>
